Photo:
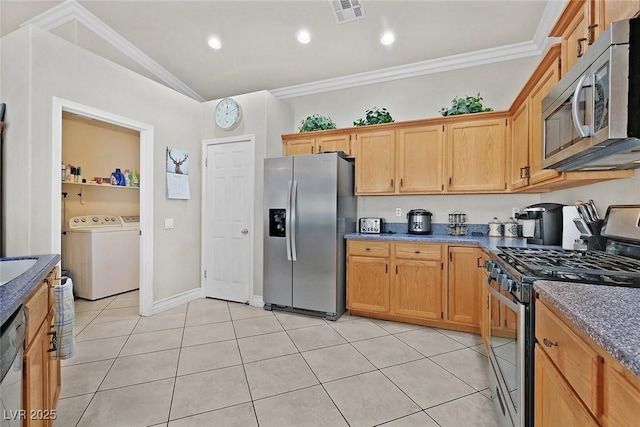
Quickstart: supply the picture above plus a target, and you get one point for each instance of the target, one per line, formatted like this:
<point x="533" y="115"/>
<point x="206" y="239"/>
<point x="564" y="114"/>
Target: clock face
<point x="228" y="114"/>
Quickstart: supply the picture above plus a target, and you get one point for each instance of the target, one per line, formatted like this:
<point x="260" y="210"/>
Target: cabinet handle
<point x="319" y="148"/>
<point x="591" y="33"/>
<point x="450" y="256"/>
<point x="549" y="343"/>
<point x="580" y="52"/>
<point x="417" y="252"/>
<point x="386" y="268"/>
<point x="479" y="262"/>
<point x="401" y="182"/>
<point x="396" y="269"/>
<point x="392" y="182"/>
<point x="367" y="249"/>
<point x="312" y="148"/>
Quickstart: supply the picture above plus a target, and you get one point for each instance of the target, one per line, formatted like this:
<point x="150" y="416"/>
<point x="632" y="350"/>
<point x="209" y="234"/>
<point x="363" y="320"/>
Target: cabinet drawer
<point x="368" y="248"/>
<point x="418" y="251"/>
<point x="579" y="364"/>
<point x="36" y="307"/>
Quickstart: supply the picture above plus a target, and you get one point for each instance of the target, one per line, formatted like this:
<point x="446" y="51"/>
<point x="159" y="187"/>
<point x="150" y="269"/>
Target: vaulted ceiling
<point x="167" y="40"/>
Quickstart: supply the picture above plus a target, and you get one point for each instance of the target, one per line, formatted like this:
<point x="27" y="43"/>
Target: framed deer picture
<point x="177" y="174"/>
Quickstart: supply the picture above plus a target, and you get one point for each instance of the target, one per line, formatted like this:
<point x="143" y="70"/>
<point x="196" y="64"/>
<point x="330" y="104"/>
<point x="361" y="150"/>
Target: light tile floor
<point x="214" y="363"/>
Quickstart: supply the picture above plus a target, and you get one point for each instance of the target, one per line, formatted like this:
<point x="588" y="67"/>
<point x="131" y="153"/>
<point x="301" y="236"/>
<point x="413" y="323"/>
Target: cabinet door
<point x="520" y="147"/>
<point x="417" y="288"/>
<point x="334" y="143"/>
<point x="420" y="153"/>
<point x="619" y="10"/>
<point x="36" y="365"/>
<point x="476" y="156"/>
<point x="621" y="398"/>
<point x="375" y="162"/>
<point x="556" y="405"/>
<point x="368" y="284"/>
<point x="547" y="81"/>
<point x="294" y="147"/>
<point x="575" y="41"/>
<point x="465" y="276"/>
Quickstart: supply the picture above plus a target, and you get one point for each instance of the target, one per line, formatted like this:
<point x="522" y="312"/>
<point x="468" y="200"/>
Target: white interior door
<point x="228" y="218"/>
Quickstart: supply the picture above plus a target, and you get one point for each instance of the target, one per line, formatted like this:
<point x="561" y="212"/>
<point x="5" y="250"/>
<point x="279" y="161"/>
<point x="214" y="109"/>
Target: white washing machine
<point x="102" y="254"/>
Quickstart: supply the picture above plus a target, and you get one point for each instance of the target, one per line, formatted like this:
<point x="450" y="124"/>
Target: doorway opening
<point x="126" y="202"/>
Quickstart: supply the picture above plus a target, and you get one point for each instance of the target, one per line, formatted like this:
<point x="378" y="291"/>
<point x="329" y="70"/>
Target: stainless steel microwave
<point x="591" y="118"/>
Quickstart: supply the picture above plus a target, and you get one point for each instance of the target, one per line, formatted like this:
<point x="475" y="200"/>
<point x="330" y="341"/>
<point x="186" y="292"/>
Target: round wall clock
<point x="228" y="114"/>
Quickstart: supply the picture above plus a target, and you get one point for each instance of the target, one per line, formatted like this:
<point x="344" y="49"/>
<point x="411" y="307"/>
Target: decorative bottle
<point x="127" y="178"/>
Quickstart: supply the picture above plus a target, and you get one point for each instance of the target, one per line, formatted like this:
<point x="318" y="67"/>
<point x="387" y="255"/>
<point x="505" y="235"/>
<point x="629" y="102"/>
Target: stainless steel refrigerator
<point x="308" y="208"/>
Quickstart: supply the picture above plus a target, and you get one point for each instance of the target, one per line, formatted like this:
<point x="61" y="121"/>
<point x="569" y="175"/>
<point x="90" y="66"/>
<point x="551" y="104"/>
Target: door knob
<point x="244" y="231"/>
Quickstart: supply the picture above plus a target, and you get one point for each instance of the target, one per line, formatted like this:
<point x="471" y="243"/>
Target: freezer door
<point x="314" y="239"/>
<point x="277" y="278"/>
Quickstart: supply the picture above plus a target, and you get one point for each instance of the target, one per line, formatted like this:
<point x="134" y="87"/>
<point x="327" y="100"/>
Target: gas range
<point x="592" y="267"/>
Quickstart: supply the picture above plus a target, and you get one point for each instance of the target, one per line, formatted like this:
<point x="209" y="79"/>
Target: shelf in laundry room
<point x="88" y="184"/>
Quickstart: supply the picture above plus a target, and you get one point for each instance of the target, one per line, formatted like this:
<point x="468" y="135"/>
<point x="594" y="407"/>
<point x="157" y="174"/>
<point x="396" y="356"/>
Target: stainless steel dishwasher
<point x="12" y="337"/>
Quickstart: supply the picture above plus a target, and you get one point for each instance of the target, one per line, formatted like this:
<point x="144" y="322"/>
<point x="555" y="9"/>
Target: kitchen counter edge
<point x="14" y="293"/>
<point x="606" y="314"/>
<point x="489" y="243"/>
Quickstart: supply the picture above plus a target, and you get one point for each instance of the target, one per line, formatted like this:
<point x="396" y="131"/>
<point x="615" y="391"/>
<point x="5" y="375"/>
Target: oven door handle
<point x="504" y="300"/>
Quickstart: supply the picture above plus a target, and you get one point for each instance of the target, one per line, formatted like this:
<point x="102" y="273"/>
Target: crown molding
<point x="71" y="10"/>
<point x="448" y="63"/>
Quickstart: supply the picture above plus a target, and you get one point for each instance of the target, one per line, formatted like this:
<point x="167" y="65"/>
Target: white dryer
<point x="102" y="254"/>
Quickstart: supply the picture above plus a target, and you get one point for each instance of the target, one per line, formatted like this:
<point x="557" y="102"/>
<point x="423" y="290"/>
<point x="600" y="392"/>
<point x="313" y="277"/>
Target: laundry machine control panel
<point x="95" y="221"/>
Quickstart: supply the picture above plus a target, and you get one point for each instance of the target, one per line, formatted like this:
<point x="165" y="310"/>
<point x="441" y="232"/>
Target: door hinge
<point x="506" y="122"/>
<point x="140" y="232"/>
<point x="349" y="137"/>
<point x="450" y="180"/>
<point x="205" y="274"/>
<point x="386" y="268"/>
<point x="442" y="128"/>
<point x="450" y="256"/>
<point x="442" y="187"/>
<point x="319" y="149"/>
<point x="442" y="266"/>
<point x="206" y="163"/>
<point x="442" y="315"/>
<point x="396" y="269"/>
<point x="505" y="185"/>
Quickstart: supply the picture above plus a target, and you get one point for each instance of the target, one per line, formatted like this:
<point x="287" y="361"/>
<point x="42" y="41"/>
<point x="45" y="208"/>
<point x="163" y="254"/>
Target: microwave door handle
<point x="583" y="130"/>
<point x="287" y="222"/>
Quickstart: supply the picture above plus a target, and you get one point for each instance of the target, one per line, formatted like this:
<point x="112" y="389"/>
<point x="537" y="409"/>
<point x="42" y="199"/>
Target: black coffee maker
<point x="548" y="223"/>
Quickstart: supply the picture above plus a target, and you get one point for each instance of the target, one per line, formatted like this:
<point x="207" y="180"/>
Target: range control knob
<point x="505" y="282"/>
<point x="495" y="271"/>
<point x="113" y="218"/>
<point x="76" y="220"/>
<point x="83" y="219"/>
<point x="95" y="219"/>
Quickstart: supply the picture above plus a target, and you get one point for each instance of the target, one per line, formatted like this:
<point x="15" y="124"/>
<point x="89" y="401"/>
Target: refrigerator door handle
<point x="287" y="222"/>
<point x="294" y="220"/>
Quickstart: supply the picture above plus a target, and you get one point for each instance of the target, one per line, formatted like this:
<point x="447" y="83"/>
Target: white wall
<point x="37" y="66"/>
<point x="267" y="118"/>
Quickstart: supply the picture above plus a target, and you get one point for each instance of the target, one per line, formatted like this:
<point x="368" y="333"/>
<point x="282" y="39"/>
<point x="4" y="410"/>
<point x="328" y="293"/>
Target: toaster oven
<point x="371" y="225"/>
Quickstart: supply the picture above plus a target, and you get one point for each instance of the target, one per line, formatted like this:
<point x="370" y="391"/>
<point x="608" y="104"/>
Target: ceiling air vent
<point x="347" y="10"/>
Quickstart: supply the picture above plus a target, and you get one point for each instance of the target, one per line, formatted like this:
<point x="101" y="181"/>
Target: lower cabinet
<point x="577" y="383"/>
<point x="41" y="387"/>
<point x="408" y="282"/>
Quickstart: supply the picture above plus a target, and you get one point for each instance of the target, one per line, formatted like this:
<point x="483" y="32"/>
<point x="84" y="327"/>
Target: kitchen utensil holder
<point x="456" y="224"/>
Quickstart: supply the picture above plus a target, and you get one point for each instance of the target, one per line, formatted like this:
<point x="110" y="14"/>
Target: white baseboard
<point x="257" y="301"/>
<point x="176" y="300"/>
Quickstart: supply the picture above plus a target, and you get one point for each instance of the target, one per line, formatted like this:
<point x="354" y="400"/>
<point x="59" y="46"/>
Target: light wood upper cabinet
<point x="520" y="147"/>
<point x="550" y="75"/>
<point x="334" y="143"/>
<point x="298" y="146"/>
<point x="465" y="284"/>
<point x="375" y="162"/>
<point x="619" y="10"/>
<point x="420" y="153"/>
<point x="476" y="156"/>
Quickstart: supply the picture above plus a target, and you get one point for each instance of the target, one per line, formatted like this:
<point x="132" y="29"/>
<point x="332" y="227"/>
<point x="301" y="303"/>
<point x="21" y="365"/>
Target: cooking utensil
<point x="584" y="212"/>
<point x="594" y="211"/>
<point x="582" y="225"/>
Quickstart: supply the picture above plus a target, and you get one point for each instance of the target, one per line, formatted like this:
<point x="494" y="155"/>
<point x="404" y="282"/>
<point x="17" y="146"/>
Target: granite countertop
<point x="489" y="243"/>
<point x="609" y="315"/>
<point x="16" y="291"/>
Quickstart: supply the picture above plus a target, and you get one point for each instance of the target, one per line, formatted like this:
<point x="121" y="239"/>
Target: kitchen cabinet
<point x="577" y="382"/>
<point x="519" y="162"/>
<point x="619" y="10"/>
<point x="555" y="403"/>
<point x="476" y="156"/>
<point x="574" y="28"/>
<point x="420" y="154"/>
<point x="418" y="284"/>
<point x="375" y="162"/>
<point x="368" y="276"/>
<point x="465" y="284"/>
<point x="41" y="387"/>
<point x="408" y="282"/>
<point x="311" y="143"/>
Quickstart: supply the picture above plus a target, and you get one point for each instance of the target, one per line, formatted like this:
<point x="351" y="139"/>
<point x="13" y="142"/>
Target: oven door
<point x="507" y="355"/>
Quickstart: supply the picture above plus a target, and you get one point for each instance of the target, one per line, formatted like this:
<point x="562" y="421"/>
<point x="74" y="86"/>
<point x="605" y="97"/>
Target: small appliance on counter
<point x="419" y="221"/>
<point x="371" y="225"/>
<point x="547" y="224"/>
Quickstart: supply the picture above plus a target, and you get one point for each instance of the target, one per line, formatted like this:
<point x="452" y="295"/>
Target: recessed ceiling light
<point x="387" y="38"/>
<point x="303" y="36"/>
<point x="214" y="43"/>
